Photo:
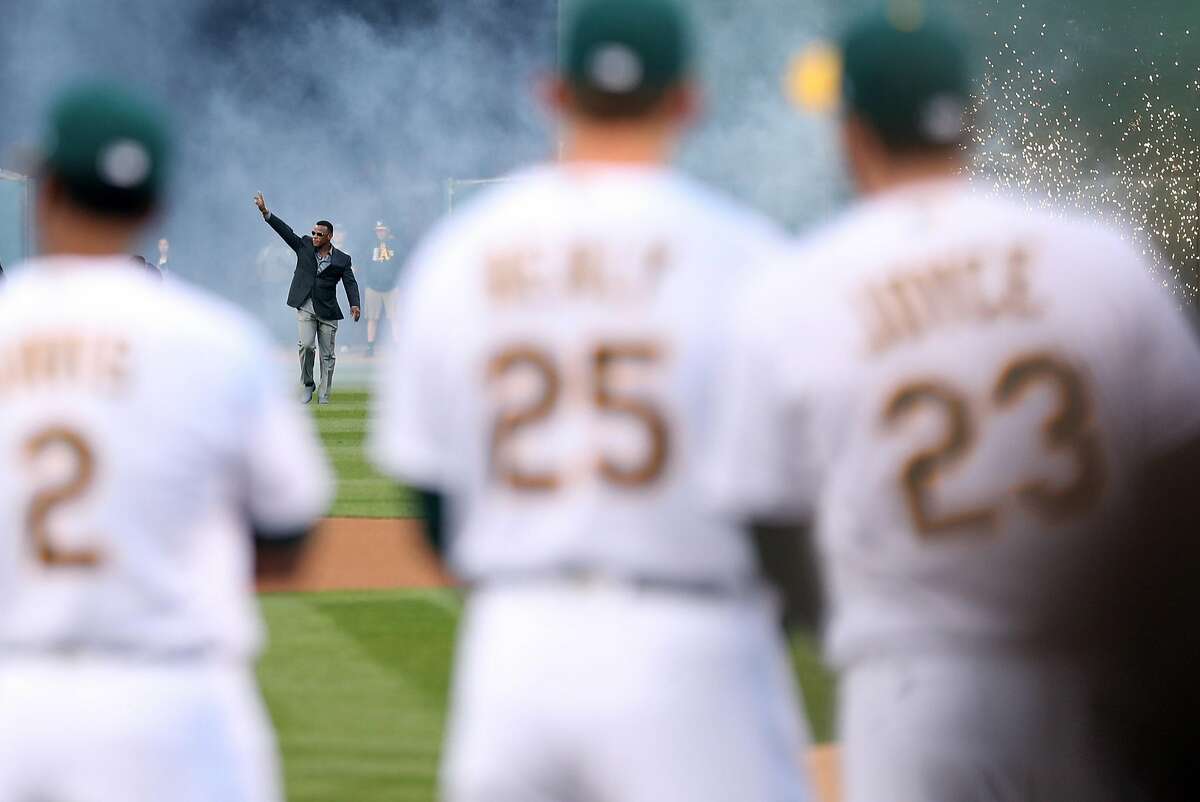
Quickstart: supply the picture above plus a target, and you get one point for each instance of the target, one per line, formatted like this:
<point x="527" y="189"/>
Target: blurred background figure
<point x="961" y="394"/>
<point x="152" y="464"/>
<point x="382" y="276"/>
<point x="164" y="255"/>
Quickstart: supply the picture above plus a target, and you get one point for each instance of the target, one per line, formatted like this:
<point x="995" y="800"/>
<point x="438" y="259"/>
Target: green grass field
<point x="356" y="684"/>
<point x="362" y="492"/>
<point x="357" y="681"/>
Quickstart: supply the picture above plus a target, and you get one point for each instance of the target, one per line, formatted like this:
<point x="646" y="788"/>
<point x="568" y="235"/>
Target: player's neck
<point x="909" y="172"/>
<point x="618" y="143"/>
<point x="326" y="250"/>
<point x="85" y="236"/>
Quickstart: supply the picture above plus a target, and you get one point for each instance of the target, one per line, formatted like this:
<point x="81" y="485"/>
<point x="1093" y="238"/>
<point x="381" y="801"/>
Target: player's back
<point x="973" y="379"/>
<point x="131" y="418"/>
<point x="566" y="330"/>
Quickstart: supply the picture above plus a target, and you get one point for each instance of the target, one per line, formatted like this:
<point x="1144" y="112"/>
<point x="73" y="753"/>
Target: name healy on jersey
<point x="950" y="290"/>
<point x="95" y="362"/>
<point x="524" y="276"/>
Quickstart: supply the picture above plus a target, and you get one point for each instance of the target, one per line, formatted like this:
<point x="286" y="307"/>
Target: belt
<point x="116" y="651"/>
<point x="581" y="577"/>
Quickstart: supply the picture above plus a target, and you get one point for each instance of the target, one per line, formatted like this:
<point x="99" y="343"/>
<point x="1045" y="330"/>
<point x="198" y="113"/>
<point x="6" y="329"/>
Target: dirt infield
<point x="364" y="554"/>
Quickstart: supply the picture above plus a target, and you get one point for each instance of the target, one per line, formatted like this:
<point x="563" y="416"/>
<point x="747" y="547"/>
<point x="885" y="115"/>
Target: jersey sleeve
<point x="408" y="437"/>
<point x="759" y="467"/>
<point x="287" y="484"/>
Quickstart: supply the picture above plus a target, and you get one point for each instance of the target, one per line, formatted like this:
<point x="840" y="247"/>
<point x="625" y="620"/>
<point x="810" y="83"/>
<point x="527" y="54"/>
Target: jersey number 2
<point x="605" y="359"/>
<point x="47" y="499"/>
<point x="1069" y="429"/>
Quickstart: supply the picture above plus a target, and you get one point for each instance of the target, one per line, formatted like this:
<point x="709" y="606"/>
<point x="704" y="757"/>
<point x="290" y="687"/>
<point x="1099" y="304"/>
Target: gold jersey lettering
<point x="99" y="363"/>
<point x="956" y="290"/>
<point x="585" y="272"/>
<point x="511" y="276"/>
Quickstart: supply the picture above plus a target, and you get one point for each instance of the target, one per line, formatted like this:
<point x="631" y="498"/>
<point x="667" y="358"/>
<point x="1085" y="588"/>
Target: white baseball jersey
<point x="558" y="343"/>
<point x="142" y="433"/>
<point x="953" y="387"/>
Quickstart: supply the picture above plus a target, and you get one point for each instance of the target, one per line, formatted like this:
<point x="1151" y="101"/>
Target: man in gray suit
<point x="313" y="294"/>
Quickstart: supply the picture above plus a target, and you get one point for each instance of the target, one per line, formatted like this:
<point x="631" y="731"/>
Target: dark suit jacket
<point x="306" y="281"/>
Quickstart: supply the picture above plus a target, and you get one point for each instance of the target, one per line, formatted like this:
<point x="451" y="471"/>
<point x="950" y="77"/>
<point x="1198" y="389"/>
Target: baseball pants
<point x="103" y="729"/>
<point x="316" y="332"/>
<point x="967" y="727"/>
<point x="567" y="693"/>
<point x="378" y="301"/>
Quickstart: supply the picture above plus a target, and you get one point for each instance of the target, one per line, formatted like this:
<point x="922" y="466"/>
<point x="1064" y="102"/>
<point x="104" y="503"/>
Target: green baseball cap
<point x="625" y="47"/>
<point x="906" y="74"/>
<point x="109" y="147"/>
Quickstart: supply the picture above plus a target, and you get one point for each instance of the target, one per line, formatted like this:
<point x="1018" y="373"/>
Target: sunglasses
<point x="318" y="233"/>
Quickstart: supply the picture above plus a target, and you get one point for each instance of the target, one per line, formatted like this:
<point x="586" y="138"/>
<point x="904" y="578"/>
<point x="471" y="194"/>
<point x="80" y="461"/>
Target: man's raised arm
<point x="281" y="228"/>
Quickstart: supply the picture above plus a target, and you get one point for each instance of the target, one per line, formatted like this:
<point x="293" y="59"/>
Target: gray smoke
<point x="360" y="111"/>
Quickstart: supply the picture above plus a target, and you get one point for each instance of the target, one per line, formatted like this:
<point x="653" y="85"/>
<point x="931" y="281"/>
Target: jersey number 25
<point x="604" y="360"/>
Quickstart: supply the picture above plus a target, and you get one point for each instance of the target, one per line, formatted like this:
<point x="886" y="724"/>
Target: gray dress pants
<point x="324" y="333"/>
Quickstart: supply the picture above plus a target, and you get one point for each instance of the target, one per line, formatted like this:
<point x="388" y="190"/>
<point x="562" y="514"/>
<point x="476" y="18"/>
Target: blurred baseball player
<point x="552" y="380"/>
<point x="955" y="390"/>
<point x="143" y="440"/>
